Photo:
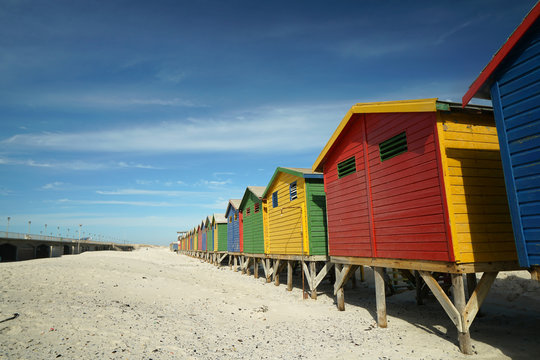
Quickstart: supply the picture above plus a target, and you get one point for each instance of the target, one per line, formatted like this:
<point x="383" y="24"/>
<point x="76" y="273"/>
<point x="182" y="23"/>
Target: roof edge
<point x="501" y="54"/>
<point x="420" y="105"/>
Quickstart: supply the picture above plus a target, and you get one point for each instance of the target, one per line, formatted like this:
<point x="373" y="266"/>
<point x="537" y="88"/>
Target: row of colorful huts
<point x="424" y="186"/>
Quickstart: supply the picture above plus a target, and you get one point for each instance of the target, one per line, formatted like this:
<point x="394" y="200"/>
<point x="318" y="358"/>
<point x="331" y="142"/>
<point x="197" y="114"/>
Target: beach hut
<point x="233" y="230"/>
<point x="251" y="228"/>
<point x="209" y="234"/>
<point x="233" y="233"/>
<point x="418" y="185"/>
<point x="219" y="225"/>
<point x="252" y="220"/>
<point x="203" y="235"/>
<point x="199" y="239"/>
<point x="512" y="81"/>
<point x="294" y="217"/>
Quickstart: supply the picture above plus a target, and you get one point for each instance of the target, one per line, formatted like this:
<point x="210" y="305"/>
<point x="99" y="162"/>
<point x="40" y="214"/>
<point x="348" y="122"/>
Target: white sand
<point x="154" y="304"/>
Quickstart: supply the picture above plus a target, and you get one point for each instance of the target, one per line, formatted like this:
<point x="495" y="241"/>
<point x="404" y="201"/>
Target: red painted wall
<point x="390" y="209"/>
<point x="199" y="240"/>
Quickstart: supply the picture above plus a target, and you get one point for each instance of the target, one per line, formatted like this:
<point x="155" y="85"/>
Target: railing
<point x="24" y="236"/>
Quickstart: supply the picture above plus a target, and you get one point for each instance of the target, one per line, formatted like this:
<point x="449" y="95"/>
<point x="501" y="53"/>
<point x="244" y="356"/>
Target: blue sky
<point x="139" y="118"/>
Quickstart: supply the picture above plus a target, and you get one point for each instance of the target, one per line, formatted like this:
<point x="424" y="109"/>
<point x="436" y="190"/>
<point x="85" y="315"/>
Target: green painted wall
<point x="316" y="209"/>
<point x="222" y="237"/>
<point x="253" y="226"/>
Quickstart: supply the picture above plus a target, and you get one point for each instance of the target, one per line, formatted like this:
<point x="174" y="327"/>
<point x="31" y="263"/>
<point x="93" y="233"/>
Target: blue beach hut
<point x="233" y="225"/>
<point x="512" y="81"/>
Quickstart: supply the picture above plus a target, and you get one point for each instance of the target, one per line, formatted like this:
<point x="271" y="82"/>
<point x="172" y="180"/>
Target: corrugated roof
<point x="480" y="88"/>
<point x="219" y="218"/>
<point x="257" y="190"/>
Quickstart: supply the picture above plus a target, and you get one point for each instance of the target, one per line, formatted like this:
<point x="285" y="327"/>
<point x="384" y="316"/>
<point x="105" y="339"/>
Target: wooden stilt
<point x="340" y="294"/>
<point x="464" y="337"/>
<point x="313" y="273"/>
<point x="256" y="268"/>
<point x="235" y="259"/>
<point x="275" y="275"/>
<point x="230" y="262"/>
<point x="289" y="275"/>
<point x="380" y="296"/>
<point x="268" y="270"/>
<point x="535" y="273"/>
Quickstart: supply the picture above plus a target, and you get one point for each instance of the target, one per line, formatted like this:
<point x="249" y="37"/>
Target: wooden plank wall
<point x="516" y="95"/>
<point x="478" y="206"/>
<point x="284" y="223"/>
<point x="316" y="216"/>
<point x="253" y="226"/>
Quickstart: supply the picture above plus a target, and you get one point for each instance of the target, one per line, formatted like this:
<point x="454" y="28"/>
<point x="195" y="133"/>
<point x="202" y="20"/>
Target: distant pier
<point x="18" y="246"/>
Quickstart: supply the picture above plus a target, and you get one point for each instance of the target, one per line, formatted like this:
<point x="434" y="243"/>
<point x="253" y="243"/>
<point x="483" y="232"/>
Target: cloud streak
<point x="74" y="165"/>
<point x="258" y="130"/>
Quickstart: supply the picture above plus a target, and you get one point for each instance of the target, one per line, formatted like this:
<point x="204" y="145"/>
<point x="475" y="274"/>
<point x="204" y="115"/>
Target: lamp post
<point x="68" y="234"/>
<point x="7" y="229"/>
<point x="79" y="243"/>
<point x="29" y="223"/>
<point x="58" y="228"/>
<point x="45" y="229"/>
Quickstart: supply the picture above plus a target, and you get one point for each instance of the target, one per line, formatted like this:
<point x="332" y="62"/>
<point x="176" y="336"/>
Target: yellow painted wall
<point x="284" y="223"/>
<point x="474" y="183"/>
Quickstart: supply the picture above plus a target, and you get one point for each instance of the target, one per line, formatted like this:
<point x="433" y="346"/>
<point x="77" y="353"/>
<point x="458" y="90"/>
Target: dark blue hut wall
<point x="516" y="104"/>
<point x="233" y="230"/>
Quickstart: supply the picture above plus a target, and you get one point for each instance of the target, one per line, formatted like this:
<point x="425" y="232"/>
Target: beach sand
<point x="154" y="304"/>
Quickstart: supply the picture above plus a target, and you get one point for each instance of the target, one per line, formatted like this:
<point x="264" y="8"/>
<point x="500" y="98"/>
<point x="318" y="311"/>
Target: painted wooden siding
<point x="516" y="99"/>
<point x="233" y="233"/>
<point x="408" y="213"/>
<point x="221" y="237"/>
<point x="346" y="198"/>
<point x="316" y="216"/>
<point x="253" y="227"/>
<point x="478" y="207"/>
<point x="203" y="241"/>
<point x="406" y="219"/>
<point x="209" y="238"/>
<point x="284" y="222"/>
<point x="199" y="239"/>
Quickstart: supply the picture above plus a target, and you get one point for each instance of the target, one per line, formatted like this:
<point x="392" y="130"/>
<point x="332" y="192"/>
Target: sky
<point x="137" y="119"/>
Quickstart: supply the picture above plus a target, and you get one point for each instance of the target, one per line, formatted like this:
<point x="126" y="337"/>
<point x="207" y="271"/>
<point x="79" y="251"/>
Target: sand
<point x="155" y="304"/>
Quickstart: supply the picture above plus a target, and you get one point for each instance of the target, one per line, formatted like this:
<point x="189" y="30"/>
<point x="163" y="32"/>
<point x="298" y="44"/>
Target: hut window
<point x="292" y="191"/>
<point x="230" y="219"/>
<point x="256" y="207"/>
<point x="346" y="167"/>
<point x="393" y="147"/>
<point x="247" y="212"/>
<point x="274" y="199"/>
<point x="235" y="216"/>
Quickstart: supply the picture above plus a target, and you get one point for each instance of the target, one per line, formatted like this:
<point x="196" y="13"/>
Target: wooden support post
<point x="255" y="268"/>
<point x="289" y="275"/>
<point x="243" y="264"/>
<point x="230" y="262"/>
<point x="235" y="263"/>
<point x="313" y="274"/>
<point x="340" y="293"/>
<point x="464" y="337"/>
<point x="353" y="280"/>
<point x="380" y="296"/>
<point x="248" y="270"/>
<point x="418" y="283"/>
<point x="268" y="270"/>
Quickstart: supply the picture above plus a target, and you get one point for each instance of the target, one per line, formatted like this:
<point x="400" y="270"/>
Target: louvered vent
<point x="393" y="147"/>
<point x="346" y="167"/>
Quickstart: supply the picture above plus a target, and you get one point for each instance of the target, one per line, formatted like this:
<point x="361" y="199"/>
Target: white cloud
<point x="441" y="39"/>
<point x="73" y="165"/>
<point x="149" y="192"/>
<point x="119" y="202"/>
<point x="53" y="186"/>
<point x="278" y="129"/>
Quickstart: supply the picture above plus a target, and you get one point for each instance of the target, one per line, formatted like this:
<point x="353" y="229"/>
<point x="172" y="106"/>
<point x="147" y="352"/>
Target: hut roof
<point x="219" y="219"/>
<point x="258" y="191"/>
<point x="300" y="172"/>
<point x="401" y="106"/>
<point x="234" y="203"/>
<point x="480" y="88"/>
